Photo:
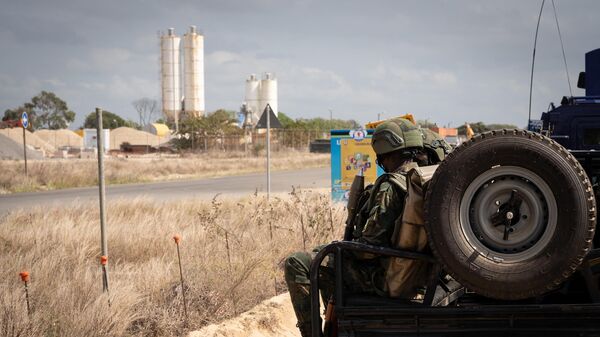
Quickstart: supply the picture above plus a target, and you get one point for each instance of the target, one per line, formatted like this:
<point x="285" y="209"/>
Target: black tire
<point x="517" y="175"/>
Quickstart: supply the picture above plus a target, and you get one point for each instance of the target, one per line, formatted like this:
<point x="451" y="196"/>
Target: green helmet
<point x="435" y="145"/>
<point x="396" y="134"/>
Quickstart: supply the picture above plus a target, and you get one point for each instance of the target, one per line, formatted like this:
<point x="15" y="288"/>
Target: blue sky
<point x="446" y="61"/>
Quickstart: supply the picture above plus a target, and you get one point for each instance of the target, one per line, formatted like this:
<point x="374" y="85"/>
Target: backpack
<point x="403" y="277"/>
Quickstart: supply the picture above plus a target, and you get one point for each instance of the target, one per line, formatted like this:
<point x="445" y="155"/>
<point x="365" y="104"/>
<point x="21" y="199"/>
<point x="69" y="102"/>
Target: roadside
<point x="59" y="174"/>
<point x="271" y="318"/>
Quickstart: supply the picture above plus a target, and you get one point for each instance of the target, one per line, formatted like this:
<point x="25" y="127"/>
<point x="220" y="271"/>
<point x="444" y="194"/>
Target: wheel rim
<point x="508" y="214"/>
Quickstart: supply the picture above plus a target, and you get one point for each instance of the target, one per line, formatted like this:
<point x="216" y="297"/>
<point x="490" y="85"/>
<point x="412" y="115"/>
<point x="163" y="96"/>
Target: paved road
<point x="281" y="182"/>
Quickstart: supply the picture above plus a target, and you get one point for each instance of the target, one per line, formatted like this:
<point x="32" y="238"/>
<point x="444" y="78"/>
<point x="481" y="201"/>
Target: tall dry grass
<point x="57" y="174"/>
<point x="60" y="248"/>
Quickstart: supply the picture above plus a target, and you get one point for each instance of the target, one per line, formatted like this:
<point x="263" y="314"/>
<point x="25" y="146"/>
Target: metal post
<point x="25" y="152"/>
<point x="268" y="111"/>
<point x="99" y="138"/>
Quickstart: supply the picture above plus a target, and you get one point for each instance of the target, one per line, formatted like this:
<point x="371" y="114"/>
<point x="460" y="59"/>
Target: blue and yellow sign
<point x="351" y="151"/>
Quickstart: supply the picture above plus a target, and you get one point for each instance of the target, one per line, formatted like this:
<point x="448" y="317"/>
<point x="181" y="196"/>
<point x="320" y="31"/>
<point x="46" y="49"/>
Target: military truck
<point x="510" y="217"/>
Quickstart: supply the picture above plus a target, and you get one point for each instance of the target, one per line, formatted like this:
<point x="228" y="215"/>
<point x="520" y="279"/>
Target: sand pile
<point x="60" y="138"/>
<point x="16" y="134"/>
<point x="9" y="149"/>
<point x="132" y="136"/>
<point x="273" y="317"/>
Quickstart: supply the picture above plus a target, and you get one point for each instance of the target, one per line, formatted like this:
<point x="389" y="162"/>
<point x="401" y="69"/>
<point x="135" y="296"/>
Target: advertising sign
<point x="351" y="151"/>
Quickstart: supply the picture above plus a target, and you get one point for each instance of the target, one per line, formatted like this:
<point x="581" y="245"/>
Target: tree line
<point x="48" y="111"/>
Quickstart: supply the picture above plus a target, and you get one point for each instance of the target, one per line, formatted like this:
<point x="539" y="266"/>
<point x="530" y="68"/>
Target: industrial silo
<point x="170" y="75"/>
<point x="268" y="93"/>
<point x="252" y="96"/>
<point x="193" y="79"/>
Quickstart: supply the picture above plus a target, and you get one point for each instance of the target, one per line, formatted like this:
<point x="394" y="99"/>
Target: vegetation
<point x="231" y="250"/>
<point x="316" y="124"/>
<point x="147" y="110"/>
<point x="109" y="121"/>
<point x="480" y="127"/>
<point x="57" y="174"/>
<point x="218" y="123"/>
<point x="45" y="111"/>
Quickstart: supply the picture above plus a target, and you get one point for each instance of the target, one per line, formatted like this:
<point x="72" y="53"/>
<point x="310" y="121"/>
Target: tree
<point x="13" y="114"/>
<point x="147" y="109"/>
<point x="480" y="127"/>
<point x="426" y="124"/>
<point x="109" y="121"/>
<point x="315" y="123"/>
<point x="46" y="110"/>
<point x="216" y="124"/>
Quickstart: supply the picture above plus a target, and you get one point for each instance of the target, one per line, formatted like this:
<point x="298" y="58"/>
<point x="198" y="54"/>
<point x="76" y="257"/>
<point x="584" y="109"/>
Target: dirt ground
<point x="273" y="317"/>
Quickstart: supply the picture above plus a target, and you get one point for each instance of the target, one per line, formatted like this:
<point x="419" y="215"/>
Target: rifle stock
<point x="356" y="190"/>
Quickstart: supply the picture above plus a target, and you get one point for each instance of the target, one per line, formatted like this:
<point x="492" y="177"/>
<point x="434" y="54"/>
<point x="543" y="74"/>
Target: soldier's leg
<point x="297" y="277"/>
<point x="297" y="273"/>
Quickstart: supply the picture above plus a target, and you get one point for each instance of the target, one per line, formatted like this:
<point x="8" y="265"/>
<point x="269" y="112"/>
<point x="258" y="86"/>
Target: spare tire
<point x="510" y="214"/>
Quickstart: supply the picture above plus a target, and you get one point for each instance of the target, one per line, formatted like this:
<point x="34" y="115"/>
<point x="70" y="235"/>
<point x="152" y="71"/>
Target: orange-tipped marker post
<point x="177" y="239"/>
<point x="25" y="278"/>
<point x="103" y="263"/>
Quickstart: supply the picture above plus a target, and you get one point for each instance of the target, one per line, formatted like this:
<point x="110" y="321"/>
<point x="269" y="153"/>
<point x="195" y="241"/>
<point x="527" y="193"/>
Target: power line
<point x="537" y="28"/>
<point x="562" y="47"/>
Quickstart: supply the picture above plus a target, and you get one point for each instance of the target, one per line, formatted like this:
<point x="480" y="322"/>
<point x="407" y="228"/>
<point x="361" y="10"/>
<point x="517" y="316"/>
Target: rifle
<point x="356" y="190"/>
<point x="330" y="327"/>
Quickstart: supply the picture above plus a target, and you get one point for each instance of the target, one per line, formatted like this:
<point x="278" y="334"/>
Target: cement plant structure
<point x="192" y="67"/>
<point x="258" y="94"/>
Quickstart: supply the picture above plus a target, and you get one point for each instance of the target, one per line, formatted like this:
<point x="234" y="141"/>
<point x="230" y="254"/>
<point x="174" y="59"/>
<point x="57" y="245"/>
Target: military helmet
<point x="396" y="134"/>
<point x="435" y="145"/>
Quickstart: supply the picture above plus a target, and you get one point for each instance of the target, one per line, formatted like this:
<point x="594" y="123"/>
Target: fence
<point x="255" y="140"/>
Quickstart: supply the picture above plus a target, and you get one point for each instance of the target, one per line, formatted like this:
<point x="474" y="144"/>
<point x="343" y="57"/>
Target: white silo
<point x="170" y="75"/>
<point x="193" y="66"/>
<point x="268" y="93"/>
<point x="252" y="96"/>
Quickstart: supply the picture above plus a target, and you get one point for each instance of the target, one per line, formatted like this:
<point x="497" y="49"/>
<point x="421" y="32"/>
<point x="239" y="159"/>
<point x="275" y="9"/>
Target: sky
<point x="446" y="61"/>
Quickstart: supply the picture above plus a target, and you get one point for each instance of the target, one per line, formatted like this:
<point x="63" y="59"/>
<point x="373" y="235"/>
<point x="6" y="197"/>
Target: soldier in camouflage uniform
<point x="396" y="143"/>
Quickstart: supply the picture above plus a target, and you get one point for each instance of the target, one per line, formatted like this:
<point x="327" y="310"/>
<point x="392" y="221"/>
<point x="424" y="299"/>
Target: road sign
<point x="274" y="123"/>
<point x="24" y="120"/>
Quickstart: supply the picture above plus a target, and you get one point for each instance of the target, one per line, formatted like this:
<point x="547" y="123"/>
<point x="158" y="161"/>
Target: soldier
<point x="397" y="143"/>
<point x="435" y="148"/>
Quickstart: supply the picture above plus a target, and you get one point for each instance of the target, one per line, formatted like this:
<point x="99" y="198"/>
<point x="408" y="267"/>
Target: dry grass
<point x="60" y="248"/>
<point x="57" y="174"/>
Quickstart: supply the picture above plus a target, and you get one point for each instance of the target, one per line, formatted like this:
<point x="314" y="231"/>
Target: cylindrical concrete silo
<point x="170" y="75"/>
<point x="193" y="66"/>
<point x="252" y="97"/>
<point x="268" y="93"/>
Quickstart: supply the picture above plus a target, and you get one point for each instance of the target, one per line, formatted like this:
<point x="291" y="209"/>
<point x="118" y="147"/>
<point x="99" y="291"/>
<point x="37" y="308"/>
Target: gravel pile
<point x="60" y="138"/>
<point x="16" y="134"/>
<point x="124" y="134"/>
<point x="9" y="149"/>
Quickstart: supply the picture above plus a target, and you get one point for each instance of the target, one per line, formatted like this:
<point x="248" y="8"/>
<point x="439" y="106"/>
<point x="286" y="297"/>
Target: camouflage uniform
<point x="362" y="273"/>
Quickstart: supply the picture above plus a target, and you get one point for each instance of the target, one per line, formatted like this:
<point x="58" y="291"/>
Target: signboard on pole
<point x="351" y="151"/>
<point x="25" y="124"/>
<point x="24" y="120"/>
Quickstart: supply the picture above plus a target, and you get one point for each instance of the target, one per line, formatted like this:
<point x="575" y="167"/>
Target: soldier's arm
<point x="388" y="206"/>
